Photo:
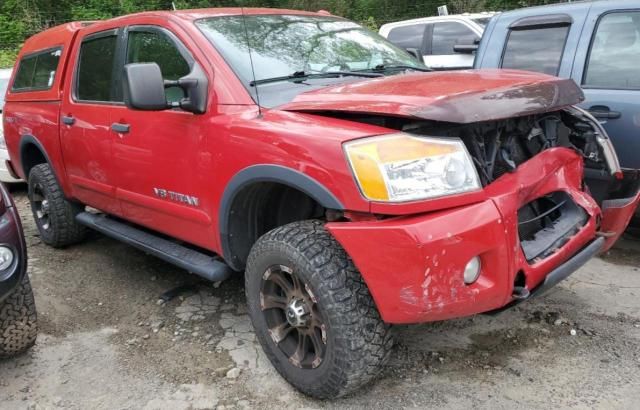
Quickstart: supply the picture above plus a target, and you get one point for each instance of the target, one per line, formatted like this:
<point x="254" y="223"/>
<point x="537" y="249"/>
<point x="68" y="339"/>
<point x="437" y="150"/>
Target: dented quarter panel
<point x="414" y="265"/>
<point x="458" y="97"/>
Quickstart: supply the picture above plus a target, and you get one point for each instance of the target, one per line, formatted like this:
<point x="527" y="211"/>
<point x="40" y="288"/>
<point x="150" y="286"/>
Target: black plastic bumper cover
<point x="560" y="273"/>
<point x="566" y="269"/>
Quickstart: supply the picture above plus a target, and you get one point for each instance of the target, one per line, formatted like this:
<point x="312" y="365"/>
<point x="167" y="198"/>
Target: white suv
<point x="5" y="176"/>
<point x="443" y="42"/>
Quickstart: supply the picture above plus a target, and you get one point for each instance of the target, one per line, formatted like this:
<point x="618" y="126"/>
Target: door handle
<point x="120" y="128"/>
<point x="68" y="120"/>
<point x="604" y="112"/>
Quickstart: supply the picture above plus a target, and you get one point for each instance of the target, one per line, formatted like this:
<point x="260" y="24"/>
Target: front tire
<point x="313" y="313"/>
<point x="55" y="216"/>
<point x="18" y="321"/>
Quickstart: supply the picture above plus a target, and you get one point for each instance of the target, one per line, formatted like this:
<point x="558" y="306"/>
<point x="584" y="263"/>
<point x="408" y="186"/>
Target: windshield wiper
<point x="385" y="67"/>
<point x="303" y="75"/>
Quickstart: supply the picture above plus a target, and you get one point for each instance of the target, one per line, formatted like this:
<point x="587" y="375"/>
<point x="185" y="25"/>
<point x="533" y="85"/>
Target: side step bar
<point x="196" y="262"/>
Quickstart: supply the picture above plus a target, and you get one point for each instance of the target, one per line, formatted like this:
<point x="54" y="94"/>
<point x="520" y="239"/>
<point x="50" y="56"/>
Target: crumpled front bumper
<point x="414" y="265"/>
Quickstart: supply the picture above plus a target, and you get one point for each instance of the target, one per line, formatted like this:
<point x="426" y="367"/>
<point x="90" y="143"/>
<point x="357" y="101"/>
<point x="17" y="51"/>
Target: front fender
<point x="268" y="173"/>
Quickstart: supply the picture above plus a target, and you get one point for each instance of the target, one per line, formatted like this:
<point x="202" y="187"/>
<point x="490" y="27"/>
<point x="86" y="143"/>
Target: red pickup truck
<point x="354" y="188"/>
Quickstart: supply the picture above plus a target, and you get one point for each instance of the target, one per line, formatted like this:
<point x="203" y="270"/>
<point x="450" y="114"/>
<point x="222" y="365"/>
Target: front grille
<point x="546" y="224"/>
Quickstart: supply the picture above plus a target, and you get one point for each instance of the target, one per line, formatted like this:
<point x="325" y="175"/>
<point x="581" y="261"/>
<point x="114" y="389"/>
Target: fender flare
<point x="30" y="139"/>
<point x="267" y="173"/>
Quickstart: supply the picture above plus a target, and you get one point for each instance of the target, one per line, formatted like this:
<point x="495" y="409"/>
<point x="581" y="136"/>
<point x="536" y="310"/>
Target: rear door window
<point x="154" y="46"/>
<point x="96" y="68"/>
<point x="537" y="49"/>
<point x="448" y="34"/>
<point x="36" y="72"/>
<point x="407" y="36"/>
<point x="614" y="59"/>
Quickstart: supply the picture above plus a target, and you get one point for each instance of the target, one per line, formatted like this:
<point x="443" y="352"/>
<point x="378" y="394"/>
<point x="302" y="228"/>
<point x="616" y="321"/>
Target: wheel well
<point x="31" y="156"/>
<point x="261" y="207"/>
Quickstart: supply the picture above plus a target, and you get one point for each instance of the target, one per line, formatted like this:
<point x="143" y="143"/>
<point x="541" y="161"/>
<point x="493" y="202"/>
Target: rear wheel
<point x="313" y="313"/>
<point x="18" y="321"/>
<point x="55" y="216"/>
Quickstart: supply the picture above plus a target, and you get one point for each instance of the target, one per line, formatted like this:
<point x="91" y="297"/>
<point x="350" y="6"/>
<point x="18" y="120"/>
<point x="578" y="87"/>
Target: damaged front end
<point x="544" y="223"/>
<point x="554" y="197"/>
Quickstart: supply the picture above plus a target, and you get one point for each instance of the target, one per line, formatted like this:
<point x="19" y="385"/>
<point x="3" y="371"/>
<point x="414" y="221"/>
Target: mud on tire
<point x="55" y="216"/>
<point x="18" y="321"/>
<point x="358" y="342"/>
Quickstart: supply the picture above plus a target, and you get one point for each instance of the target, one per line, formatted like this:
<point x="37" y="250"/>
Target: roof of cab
<point x="196" y="14"/>
<point x="59" y="34"/>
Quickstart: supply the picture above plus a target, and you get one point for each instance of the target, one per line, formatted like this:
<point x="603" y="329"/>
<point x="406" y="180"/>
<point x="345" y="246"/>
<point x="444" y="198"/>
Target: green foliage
<point x="20" y="19"/>
<point x="8" y="57"/>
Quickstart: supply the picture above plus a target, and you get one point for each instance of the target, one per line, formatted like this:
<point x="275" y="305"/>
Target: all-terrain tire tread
<point x="64" y="230"/>
<point x="364" y="341"/>
<point x="18" y="321"/>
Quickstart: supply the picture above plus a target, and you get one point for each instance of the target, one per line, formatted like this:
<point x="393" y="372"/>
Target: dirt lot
<point x="105" y="342"/>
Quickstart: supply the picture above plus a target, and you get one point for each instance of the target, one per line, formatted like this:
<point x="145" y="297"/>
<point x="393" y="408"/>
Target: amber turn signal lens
<point x="403" y="167"/>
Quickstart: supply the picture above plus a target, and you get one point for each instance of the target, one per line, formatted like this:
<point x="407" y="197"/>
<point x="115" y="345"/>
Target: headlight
<point x="404" y="167"/>
<point x="6" y="258"/>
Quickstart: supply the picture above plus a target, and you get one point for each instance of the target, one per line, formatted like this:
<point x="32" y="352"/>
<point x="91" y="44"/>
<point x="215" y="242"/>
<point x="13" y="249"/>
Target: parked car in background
<point x="352" y="188"/>
<point x="5" y="175"/>
<point x="18" y="321"/>
<point x="442" y="42"/>
<point x="597" y="44"/>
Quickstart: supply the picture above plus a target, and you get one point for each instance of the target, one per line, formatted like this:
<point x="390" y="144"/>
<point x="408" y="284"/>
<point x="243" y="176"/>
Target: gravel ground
<point x="105" y="342"/>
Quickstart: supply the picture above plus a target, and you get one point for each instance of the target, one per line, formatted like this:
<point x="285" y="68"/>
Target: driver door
<point x="159" y="155"/>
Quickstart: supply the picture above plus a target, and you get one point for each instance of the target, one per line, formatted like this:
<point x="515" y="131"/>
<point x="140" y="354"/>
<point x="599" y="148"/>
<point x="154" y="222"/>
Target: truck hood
<point x="458" y="96"/>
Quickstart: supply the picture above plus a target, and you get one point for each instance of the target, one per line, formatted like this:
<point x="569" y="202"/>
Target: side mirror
<point x="414" y="52"/>
<point x="466" y="45"/>
<point x="195" y="86"/>
<point x="144" y="89"/>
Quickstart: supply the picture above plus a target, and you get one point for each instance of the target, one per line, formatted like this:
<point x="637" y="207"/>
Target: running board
<point x="196" y="262"/>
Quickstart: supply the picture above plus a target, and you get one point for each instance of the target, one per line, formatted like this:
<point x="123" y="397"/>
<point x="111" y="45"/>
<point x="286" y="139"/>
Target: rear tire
<point x="304" y="294"/>
<point x="18" y="321"/>
<point x="55" y="216"/>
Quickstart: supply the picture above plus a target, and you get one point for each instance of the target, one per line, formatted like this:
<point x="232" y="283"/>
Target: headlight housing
<point x="404" y="167"/>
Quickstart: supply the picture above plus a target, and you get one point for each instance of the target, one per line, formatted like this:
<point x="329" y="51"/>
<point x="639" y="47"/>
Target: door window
<point x="614" y="59"/>
<point x="448" y="34"/>
<point x="537" y="49"/>
<point x="408" y="36"/>
<point x="96" y="69"/>
<point x="37" y="71"/>
<point x="156" y="47"/>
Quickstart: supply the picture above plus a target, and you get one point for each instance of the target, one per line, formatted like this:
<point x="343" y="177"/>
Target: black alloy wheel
<point x="291" y="312"/>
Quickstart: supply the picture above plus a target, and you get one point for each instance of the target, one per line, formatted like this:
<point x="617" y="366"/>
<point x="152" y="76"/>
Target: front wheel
<point x="312" y="312"/>
<point x="18" y="321"/>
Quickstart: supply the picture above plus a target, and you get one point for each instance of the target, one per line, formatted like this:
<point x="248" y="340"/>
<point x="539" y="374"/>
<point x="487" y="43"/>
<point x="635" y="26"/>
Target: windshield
<point x="282" y="45"/>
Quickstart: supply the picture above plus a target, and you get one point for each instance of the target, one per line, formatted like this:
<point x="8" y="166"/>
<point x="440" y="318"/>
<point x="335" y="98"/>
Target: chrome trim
<point x="603" y="140"/>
